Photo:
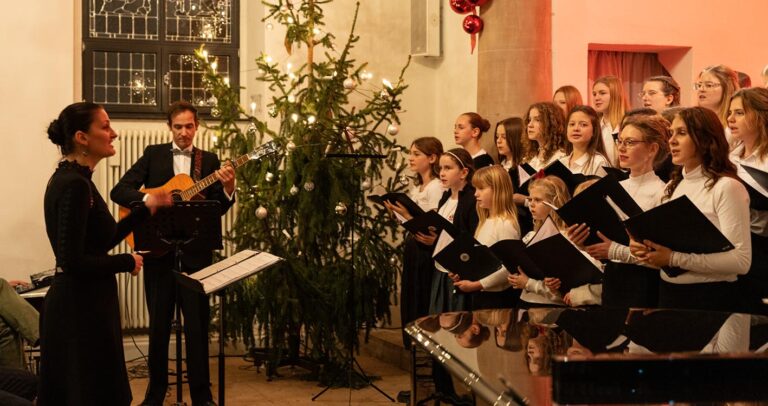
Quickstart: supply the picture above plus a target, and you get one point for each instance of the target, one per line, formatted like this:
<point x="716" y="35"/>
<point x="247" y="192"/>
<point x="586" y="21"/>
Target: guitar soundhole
<point x="176" y="195"/>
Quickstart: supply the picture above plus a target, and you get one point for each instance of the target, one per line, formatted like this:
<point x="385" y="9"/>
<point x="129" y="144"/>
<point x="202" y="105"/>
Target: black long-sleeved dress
<point x="80" y="336"/>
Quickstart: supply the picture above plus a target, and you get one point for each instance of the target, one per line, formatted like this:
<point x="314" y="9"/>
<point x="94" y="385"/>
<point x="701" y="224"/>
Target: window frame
<point x="162" y="48"/>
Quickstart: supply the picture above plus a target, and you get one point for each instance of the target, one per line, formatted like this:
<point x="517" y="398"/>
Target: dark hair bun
<point x="55" y="133"/>
<point x="485" y="125"/>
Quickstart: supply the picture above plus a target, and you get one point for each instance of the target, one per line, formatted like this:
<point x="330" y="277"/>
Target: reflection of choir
<point x="701" y="166"/>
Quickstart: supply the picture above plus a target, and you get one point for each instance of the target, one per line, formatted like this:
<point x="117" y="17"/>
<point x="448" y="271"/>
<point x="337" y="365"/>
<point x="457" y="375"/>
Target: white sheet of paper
<point x="548" y="229"/>
<point x="442" y="241"/>
<point x="522" y="175"/>
<point x="622" y="216"/>
<point x="241" y="265"/>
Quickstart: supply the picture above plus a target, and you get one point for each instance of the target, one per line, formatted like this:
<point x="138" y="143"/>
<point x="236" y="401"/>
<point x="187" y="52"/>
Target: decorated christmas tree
<point x="305" y="203"/>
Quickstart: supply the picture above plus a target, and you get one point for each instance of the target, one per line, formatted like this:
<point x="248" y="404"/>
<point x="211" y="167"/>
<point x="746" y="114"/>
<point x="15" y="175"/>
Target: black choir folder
<point x="556" y="168"/>
<point x="597" y="206"/>
<point x="618" y="173"/>
<point x="550" y="255"/>
<point x="430" y="222"/>
<point x="679" y="226"/>
<point x="395" y="197"/>
<point x="757" y="178"/>
<point x="468" y="258"/>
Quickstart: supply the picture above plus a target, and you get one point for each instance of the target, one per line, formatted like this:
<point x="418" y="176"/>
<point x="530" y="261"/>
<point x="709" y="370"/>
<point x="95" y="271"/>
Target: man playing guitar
<point x="157" y="167"/>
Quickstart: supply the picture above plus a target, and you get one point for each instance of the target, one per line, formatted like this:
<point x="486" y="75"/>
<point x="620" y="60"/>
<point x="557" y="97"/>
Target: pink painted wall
<point x="690" y="34"/>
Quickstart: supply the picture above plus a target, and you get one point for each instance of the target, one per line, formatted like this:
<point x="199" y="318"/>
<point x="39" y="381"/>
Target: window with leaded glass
<point x="138" y="55"/>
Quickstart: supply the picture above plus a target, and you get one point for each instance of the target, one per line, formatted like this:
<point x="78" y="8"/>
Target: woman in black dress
<point x="82" y="361"/>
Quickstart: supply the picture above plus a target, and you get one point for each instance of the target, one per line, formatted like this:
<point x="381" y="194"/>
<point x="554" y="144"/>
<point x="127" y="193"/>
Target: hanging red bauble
<point x="472" y="24"/>
<point x="461" y="6"/>
<point x="477" y="3"/>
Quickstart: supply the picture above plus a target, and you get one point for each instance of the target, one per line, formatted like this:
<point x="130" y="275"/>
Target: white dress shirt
<point x="647" y="191"/>
<point x="538" y="163"/>
<point x="609" y="143"/>
<point x="758" y="219"/>
<point x="584" y="167"/>
<point x="726" y="205"/>
<point x="490" y="232"/>
<point x="427" y="198"/>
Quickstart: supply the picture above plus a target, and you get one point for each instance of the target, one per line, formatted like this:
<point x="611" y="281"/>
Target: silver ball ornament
<point x="294" y="190"/>
<point x="393" y="129"/>
<point x="349" y="84"/>
<point x="365" y="185"/>
<point x="269" y="176"/>
<point x="404" y="180"/>
<point x="290" y="146"/>
<point x="261" y="212"/>
<point x="340" y="209"/>
<point x="393" y="260"/>
<point x="309" y="186"/>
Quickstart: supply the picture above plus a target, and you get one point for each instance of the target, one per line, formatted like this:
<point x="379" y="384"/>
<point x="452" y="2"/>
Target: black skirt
<point x="82" y="344"/>
<point x="415" y="282"/>
<point x="629" y="285"/>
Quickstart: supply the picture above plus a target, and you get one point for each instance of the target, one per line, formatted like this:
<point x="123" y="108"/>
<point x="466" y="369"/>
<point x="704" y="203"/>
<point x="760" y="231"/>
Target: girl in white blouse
<point x="585" y="149"/>
<point x="416" y="278"/>
<point x="498" y="221"/>
<point x="642" y="145"/>
<point x="545" y="129"/>
<point x="610" y="103"/>
<point x="708" y="178"/>
<point x="748" y="121"/>
<point x="545" y="193"/>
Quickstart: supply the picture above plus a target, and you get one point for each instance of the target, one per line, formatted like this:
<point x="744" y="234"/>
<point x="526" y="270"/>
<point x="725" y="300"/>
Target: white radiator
<point x="130" y="146"/>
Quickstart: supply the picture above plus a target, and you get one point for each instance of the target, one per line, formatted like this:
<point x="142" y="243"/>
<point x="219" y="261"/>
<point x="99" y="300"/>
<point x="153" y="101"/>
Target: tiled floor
<point x="245" y="386"/>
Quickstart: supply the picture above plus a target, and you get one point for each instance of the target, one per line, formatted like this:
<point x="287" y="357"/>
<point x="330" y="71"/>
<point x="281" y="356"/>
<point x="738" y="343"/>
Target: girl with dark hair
<point x="512" y="147"/>
<point x="81" y="345"/>
<point x="585" y="149"/>
<point x="467" y="130"/>
<point x="416" y="278"/>
<point x="567" y="97"/>
<point x="708" y="178"/>
<point x="545" y="129"/>
<point x="610" y="103"/>
<point x="457" y="206"/>
<point x="748" y="122"/>
<point x="643" y="145"/>
<point x="659" y="93"/>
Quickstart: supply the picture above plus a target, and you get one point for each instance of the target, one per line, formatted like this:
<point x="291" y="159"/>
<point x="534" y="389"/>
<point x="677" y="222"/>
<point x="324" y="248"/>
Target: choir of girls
<point x="667" y="152"/>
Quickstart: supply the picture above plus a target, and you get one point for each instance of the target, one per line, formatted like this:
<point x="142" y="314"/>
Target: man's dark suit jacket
<point x="154" y="169"/>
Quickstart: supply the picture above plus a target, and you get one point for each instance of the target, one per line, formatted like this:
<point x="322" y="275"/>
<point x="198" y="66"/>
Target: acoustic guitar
<point x="183" y="188"/>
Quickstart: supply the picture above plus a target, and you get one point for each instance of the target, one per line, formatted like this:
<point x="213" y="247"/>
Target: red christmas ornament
<point x="472" y="24"/>
<point x="477" y="3"/>
<point x="461" y="6"/>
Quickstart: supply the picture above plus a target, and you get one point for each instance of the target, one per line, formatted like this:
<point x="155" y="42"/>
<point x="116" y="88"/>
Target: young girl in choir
<point x="642" y="147"/>
<point x="543" y="194"/>
<point x="545" y="129"/>
<point x="748" y="122"/>
<point x="457" y="205"/>
<point x="467" y="130"/>
<point x="714" y="88"/>
<point x="585" y="149"/>
<point x="511" y="145"/>
<point x="609" y="101"/>
<point x="708" y="178"/>
<point x="416" y="278"/>
<point x="567" y="97"/>
<point x="498" y="221"/>
<point x="660" y="92"/>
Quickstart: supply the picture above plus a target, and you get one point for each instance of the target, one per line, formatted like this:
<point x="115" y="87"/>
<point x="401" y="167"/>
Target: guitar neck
<point x="209" y="180"/>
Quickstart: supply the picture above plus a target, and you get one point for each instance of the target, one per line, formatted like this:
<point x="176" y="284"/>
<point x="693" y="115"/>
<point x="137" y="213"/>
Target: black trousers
<point x="18" y="387"/>
<point x="161" y="290"/>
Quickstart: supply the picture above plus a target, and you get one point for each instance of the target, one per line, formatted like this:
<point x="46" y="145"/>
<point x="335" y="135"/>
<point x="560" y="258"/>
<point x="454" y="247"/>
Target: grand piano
<point x="545" y="356"/>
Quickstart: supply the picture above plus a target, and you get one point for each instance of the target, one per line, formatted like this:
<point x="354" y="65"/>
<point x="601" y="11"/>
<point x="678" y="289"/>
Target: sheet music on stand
<point x="228" y="271"/>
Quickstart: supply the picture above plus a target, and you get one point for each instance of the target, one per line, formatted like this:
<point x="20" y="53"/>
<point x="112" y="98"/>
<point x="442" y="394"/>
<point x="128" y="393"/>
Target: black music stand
<point x="216" y="278"/>
<point x="191" y="225"/>
<point x="351" y="359"/>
